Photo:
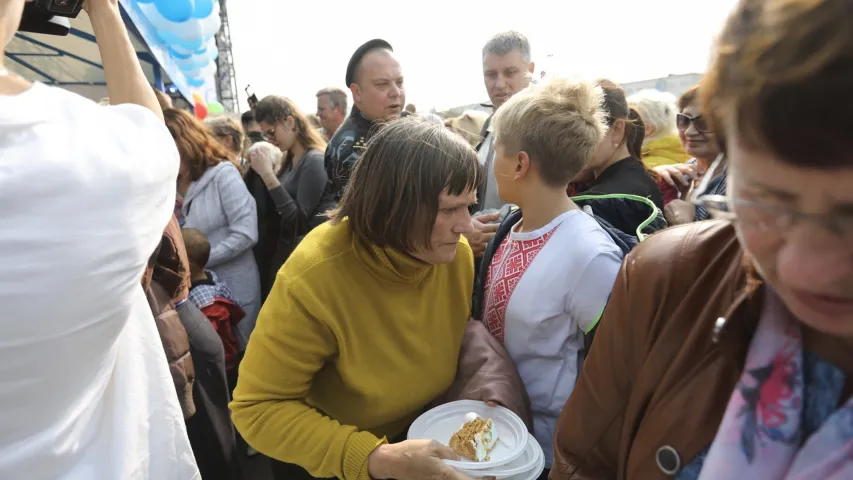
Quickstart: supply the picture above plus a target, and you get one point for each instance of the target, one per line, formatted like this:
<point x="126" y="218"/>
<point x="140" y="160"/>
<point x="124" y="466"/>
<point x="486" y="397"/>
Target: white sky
<point x="296" y="48"/>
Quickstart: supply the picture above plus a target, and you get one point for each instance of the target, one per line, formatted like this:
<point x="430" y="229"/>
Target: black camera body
<point x="49" y="16"/>
<point x="63" y="8"/>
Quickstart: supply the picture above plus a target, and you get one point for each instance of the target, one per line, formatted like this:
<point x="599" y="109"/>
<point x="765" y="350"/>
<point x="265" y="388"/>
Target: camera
<point x="63" y="8"/>
<point x="50" y="16"/>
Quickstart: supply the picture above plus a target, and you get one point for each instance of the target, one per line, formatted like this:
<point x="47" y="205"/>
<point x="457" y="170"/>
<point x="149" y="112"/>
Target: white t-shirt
<point x="545" y="289"/>
<point x="85" y="389"/>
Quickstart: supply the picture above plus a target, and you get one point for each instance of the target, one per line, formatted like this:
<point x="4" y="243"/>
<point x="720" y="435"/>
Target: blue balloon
<point x="173" y="40"/>
<point x="175" y="10"/>
<point x="195" y="82"/>
<point x="193" y="65"/>
<point x="144" y="1"/>
<point x="177" y="54"/>
<point x="203" y="8"/>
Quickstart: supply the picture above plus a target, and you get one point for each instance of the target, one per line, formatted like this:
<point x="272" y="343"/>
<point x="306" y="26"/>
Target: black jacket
<point x="343" y="151"/>
<point x="210" y="430"/>
<point x="269" y="226"/>
<point x="629" y="176"/>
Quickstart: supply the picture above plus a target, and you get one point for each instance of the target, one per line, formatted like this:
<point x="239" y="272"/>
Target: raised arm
<point x="126" y="83"/>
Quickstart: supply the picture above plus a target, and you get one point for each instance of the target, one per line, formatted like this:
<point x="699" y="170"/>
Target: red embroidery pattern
<point x="503" y="276"/>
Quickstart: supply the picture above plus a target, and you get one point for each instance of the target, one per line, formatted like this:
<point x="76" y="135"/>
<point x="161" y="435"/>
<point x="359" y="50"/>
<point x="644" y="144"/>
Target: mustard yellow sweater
<point x="664" y="151"/>
<point x="351" y="345"/>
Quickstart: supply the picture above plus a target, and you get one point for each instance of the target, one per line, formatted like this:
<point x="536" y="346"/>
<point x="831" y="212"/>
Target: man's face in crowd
<point x="253" y="126"/>
<point x="331" y="117"/>
<point x="378" y="91"/>
<point x="505" y="75"/>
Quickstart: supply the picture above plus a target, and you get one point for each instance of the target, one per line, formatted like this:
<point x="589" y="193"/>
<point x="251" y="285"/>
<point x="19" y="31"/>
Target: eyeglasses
<point x="768" y="219"/>
<point x="683" y="122"/>
<point x="270" y="134"/>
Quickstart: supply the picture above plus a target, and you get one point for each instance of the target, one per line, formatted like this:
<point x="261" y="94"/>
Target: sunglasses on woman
<point x="683" y="122"/>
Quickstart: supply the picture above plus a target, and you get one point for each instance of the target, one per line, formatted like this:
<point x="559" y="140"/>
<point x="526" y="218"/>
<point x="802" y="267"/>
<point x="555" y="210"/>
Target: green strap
<point x="625" y="196"/>
<point x="595" y="322"/>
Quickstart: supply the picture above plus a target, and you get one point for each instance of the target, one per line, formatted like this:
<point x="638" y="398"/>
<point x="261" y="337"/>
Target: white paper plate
<point x="521" y="467"/>
<point x="533" y="474"/>
<point x="442" y="422"/>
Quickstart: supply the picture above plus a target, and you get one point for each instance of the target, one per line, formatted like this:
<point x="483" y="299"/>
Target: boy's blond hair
<point x="557" y="123"/>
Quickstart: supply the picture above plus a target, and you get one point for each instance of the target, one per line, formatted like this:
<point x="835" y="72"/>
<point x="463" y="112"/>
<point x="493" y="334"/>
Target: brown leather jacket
<point x="660" y="373"/>
<point x="487" y="374"/>
<point x="166" y="281"/>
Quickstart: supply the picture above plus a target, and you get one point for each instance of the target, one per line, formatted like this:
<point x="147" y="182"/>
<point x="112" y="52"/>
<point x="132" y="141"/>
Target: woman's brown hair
<point x="782" y="72"/>
<point x="616" y="106"/>
<point x="392" y="197"/>
<point x="197" y="146"/>
<point x="274" y="109"/>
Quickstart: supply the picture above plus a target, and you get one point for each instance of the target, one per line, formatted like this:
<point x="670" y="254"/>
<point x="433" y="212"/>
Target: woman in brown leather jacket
<point x="725" y="351"/>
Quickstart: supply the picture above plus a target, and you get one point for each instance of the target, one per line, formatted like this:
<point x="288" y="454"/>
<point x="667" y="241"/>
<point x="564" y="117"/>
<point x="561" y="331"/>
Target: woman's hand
<point x="679" y="212"/>
<point x="413" y="460"/>
<point x="675" y="175"/>
<point x="261" y="159"/>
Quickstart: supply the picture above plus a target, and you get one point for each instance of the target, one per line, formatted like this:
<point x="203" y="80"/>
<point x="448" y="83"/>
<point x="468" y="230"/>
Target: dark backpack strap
<point x="478" y="300"/>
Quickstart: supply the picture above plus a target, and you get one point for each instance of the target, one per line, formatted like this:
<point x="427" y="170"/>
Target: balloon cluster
<point x="203" y="110"/>
<point x="187" y="28"/>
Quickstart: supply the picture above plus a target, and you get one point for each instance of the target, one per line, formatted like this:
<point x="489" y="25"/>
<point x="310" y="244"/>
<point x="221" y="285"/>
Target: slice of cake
<point x="475" y="439"/>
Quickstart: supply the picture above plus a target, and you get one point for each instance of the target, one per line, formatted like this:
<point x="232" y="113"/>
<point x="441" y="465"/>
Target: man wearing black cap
<point x="376" y="82"/>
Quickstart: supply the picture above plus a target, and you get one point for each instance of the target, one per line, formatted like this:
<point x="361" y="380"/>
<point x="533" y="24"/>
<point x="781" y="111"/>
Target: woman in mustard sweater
<point x="364" y="324"/>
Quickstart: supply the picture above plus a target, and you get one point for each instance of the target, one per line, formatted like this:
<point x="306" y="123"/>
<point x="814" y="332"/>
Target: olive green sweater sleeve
<point x="288" y="347"/>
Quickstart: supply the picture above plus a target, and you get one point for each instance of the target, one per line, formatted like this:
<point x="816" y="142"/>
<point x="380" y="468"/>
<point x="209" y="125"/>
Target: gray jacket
<point x="219" y="204"/>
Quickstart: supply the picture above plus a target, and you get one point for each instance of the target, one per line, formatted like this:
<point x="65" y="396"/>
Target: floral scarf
<point x="760" y="435"/>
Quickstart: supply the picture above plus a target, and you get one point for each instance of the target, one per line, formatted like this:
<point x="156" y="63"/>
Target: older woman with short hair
<point x="364" y="324"/>
<point x="703" y="144"/>
<point x="229" y="132"/>
<point x="726" y="350"/>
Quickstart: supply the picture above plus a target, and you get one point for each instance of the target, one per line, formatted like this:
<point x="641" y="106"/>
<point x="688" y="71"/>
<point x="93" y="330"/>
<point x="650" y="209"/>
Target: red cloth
<point x="224" y="316"/>
<point x="669" y="192"/>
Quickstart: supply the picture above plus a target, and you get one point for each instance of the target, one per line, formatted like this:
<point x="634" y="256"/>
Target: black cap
<point x="361" y="52"/>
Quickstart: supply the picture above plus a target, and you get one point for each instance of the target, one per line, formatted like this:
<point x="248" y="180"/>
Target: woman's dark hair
<point x="638" y="136"/>
<point x="274" y="109"/>
<point x="196" y="144"/>
<point x="392" y="197"/>
<point x="616" y="106"/>
<point x="247" y="119"/>
<point x="782" y="71"/>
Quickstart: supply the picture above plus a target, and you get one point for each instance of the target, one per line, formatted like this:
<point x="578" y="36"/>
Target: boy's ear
<point x="522" y="168"/>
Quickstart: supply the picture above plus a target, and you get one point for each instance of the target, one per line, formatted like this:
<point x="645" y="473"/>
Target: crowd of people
<point x="662" y="287"/>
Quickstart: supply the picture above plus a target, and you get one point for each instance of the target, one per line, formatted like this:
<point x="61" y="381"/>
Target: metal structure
<point x="226" y="78"/>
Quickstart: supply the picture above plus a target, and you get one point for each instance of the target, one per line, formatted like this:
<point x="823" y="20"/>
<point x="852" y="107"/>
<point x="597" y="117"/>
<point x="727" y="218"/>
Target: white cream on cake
<point x="485" y="441"/>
